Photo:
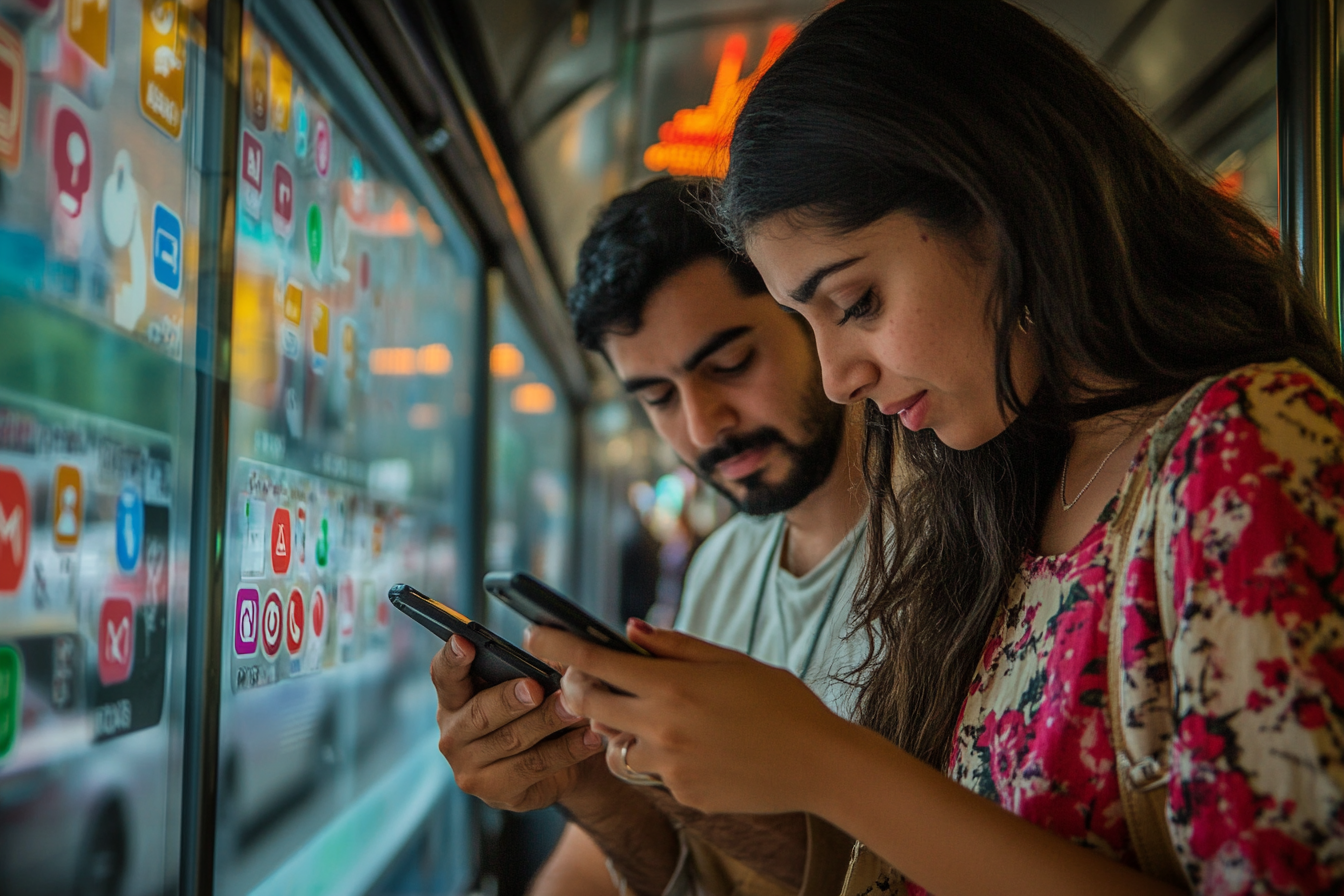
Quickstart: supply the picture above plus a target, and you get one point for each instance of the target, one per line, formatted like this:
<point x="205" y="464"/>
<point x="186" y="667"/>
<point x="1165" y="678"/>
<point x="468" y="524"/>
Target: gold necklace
<point x="1068" y="505"/>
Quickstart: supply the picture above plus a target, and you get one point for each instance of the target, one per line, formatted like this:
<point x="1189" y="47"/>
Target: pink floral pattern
<point x="1250" y="529"/>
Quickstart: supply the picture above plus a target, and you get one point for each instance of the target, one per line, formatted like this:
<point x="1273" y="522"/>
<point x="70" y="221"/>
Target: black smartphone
<point x="496" y="662"/>
<point x="538" y="602"/>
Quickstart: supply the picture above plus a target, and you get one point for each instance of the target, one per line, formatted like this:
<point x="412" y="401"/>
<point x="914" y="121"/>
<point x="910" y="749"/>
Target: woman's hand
<point x="725" y="732"/>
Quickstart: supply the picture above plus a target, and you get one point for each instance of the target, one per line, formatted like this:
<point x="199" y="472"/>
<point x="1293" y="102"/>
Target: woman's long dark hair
<point x="1132" y="268"/>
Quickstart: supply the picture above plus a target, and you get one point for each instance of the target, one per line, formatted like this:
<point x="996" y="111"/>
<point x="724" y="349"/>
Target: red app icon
<point x="282" y="541"/>
<point x="71" y="161"/>
<point x="272" y="624"/>
<point x="116" y="640"/>
<point x="13" y="90"/>
<point x="16" y="522"/>
<point x="318" y="610"/>
<point x="282" y="201"/>
<point x="294" y="622"/>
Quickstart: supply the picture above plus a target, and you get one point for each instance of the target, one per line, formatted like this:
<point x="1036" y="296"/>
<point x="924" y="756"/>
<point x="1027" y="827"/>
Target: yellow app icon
<point x="282" y="86"/>
<point x="163" y="64"/>
<point x="67" y="512"/>
<point x="87" y="22"/>
<point x="293" y="303"/>
<point x="321" y="335"/>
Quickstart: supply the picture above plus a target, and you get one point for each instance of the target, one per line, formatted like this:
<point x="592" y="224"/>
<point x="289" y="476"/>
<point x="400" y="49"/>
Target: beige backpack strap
<point x="1142" y="752"/>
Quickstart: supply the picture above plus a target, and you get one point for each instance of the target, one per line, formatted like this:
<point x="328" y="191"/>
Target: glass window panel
<point x="354" y="291"/>
<point x="98" y="236"/>
<point x="531" y="467"/>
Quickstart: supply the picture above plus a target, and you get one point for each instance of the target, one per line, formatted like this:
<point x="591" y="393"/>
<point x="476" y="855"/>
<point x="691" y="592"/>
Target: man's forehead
<point x="684" y="313"/>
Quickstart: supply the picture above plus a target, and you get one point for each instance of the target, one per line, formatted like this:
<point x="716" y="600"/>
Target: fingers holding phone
<point x="499" y="740"/>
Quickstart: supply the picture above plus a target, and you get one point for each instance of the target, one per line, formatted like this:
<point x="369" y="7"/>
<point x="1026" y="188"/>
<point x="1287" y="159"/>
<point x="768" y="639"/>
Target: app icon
<point x="272" y="624"/>
<point x="318" y="611"/>
<point x="294" y="622"/>
<point x="67" y="511"/>
<point x="16" y="520"/>
<point x="258" y="86"/>
<point x="252" y="174"/>
<point x="293" y="303"/>
<point x="321" y="146"/>
<point x="163" y="63"/>
<point x="167" y="249"/>
<point x="13" y="91"/>
<point x="282" y="84"/>
<point x="321" y="336"/>
<point x="281" y="548"/>
<point x="130" y="526"/>
<point x="254" y="538"/>
<point x="11" y="698"/>
<point x="301" y="534"/>
<point x="323" y="544"/>
<point x="116" y="640"/>
<point x="246" y="616"/>
<point x="345" y="607"/>
<point x="88" y="23"/>
<point x="314" y="237"/>
<point x="71" y="161"/>
<point x="300" y="128"/>
<point x="282" y="201"/>
<point x="121" y="226"/>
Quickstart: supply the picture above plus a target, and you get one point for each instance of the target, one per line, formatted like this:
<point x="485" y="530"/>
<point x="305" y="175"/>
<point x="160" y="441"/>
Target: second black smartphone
<point x="496" y="662"/>
<point x="540" y="603"/>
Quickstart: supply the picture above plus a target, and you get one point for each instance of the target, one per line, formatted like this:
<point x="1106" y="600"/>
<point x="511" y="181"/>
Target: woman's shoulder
<point x="1274" y="416"/>
<point x="1273" y="396"/>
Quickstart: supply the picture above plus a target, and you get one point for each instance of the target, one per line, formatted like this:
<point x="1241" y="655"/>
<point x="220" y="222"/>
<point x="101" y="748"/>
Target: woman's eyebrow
<point x="804" y="293"/>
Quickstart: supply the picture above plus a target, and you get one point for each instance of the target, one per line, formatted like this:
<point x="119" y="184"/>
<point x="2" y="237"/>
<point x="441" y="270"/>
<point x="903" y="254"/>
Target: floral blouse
<point x="1256" y="801"/>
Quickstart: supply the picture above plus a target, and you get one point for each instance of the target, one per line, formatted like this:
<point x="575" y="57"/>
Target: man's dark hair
<point x="640" y="239"/>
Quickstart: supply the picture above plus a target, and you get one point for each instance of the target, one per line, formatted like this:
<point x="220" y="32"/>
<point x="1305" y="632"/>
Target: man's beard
<point x="811" y="461"/>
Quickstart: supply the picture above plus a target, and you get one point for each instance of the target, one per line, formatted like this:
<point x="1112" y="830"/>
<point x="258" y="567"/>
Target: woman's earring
<point x="1024" y="323"/>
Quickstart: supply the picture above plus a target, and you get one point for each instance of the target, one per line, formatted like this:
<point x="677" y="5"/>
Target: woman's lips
<point x="911" y="410"/>
<point x="740" y="466"/>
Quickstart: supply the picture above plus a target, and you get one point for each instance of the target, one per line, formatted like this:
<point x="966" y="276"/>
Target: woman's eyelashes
<point x="863" y="308"/>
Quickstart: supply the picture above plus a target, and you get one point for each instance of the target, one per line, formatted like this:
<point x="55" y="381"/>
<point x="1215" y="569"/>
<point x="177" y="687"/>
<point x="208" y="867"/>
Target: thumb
<point x="665" y="642"/>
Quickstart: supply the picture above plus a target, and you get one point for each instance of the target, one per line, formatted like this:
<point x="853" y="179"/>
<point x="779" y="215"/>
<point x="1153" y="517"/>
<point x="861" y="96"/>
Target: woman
<point x="1000" y="256"/>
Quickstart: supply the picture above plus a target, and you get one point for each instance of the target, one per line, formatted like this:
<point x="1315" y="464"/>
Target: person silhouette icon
<point x="67" y="520"/>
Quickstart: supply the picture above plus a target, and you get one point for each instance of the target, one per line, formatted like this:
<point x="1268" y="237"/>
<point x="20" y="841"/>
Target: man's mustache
<point x="731" y="446"/>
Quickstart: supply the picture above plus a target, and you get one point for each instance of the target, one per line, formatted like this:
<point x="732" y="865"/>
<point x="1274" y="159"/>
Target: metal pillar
<point x="1309" y="145"/>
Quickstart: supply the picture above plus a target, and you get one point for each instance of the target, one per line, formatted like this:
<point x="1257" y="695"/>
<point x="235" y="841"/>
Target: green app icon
<point x="314" y="236"/>
<point x="11" y="698"/>
<point x="321" y="549"/>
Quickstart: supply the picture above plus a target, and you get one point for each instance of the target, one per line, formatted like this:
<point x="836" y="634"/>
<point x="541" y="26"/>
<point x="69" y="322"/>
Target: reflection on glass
<point x="98" y="228"/>
<point x="350" y="401"/>
<point x="531" y="466"/>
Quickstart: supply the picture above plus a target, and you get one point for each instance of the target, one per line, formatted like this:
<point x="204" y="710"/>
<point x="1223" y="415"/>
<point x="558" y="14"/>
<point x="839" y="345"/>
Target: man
<point x="733" y="383"/>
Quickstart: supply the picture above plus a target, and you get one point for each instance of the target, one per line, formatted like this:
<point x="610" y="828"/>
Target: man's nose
<point x="708" y="416"/>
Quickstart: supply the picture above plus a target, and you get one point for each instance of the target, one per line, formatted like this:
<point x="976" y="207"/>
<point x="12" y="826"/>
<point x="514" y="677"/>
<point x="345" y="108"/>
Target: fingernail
<point x="455" y="648"/>
<point x="640" y="626"/>
<point x="591" y="739"/>
<point x="524" y="693"/>
<point x="563" y="711"/>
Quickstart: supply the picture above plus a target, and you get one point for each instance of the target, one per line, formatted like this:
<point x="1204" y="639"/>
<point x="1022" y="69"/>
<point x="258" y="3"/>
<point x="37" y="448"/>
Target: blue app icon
<point x="130" y="523"/>
<point x="167" y="248"/>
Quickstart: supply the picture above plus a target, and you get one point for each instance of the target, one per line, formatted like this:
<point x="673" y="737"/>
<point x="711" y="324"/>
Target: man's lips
<point x="904" y="404"/>
<point x="740" y="466"/>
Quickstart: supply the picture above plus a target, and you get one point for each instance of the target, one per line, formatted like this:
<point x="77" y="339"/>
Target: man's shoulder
<point x="727" y="564"/>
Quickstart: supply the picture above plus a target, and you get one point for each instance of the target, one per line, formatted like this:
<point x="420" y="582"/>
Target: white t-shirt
<point x="736" y="581"/>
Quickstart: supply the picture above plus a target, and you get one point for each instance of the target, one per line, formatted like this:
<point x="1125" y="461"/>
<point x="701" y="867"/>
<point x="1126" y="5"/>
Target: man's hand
<point x="495" y="739"/>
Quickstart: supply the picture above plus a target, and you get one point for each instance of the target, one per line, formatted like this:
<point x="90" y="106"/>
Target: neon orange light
<point x="695" y="141"/>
